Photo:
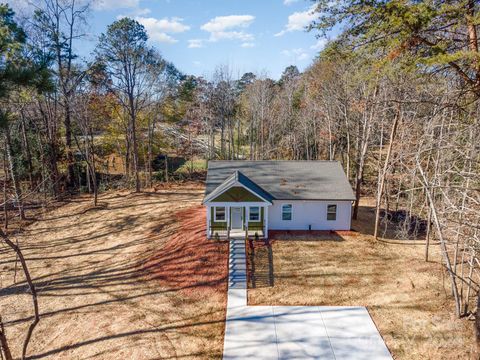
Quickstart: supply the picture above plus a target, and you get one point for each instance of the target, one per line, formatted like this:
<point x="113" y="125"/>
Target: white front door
<point x="237" y="221"/>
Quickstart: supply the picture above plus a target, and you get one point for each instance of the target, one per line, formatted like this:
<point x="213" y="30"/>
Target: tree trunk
<point x="222" y="139"/>
<point x="149" y="154"/>
<point x="365" y="138"/>
<point x="135" y="152"/>
<point x="5" y="349"/>
<point x="166" y="167"/>
<point x="88" y="177"/>
<point x="5" y="207"/>
<point x="212" y="143"/>
<point x="52" y="158"/>
<point x="89" y="157"/>
<point x="127" y="154"/>
<point x="28" y="153"/>
<point x="33" y="291"/>
<point x="443" y="244"/>
<point x="384" y="172"/>
<point x="429" y="233"/>
<point x="477" y="321"/>
<point x="68" y="146"/>
<point x="473" y="41"/>
<point x="358" y="184"/>
<point x="13" y="173"/>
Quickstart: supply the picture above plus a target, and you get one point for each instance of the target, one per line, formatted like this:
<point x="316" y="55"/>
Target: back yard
<point x="131" y="279"/>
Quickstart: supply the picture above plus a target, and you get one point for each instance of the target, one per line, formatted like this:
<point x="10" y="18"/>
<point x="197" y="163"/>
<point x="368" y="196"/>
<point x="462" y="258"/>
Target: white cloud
<point x="222" y="23"/>
<point x="195" y="43"/>
<point x="231" y="35"/>
<point x="114" y="4"/>
<point x="141" y="12"/>
<point x="290" y="2"/>
<point x="319" y="45"/>
<point x="162" y="38"/>
<point x="159" y="30"/>
<point x="172" y="25"/>
<point x="247" y="45"/>
<point x="299" y="20"/>
<point x="302" y="56"/>
<point x="298" y="54"/>
<point x="229" y="28"/>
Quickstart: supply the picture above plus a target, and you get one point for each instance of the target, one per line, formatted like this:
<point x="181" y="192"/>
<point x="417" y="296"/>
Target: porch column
<point x="209" y="215"/>
<point x="247" y="217"/>
<point x="227" y="214"/>
<point x="265" y="222"/>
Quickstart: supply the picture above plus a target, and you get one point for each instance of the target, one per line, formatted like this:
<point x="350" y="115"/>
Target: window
<point x="254" y="213"/>
<point x="220" y="213"/>
<point x="331" y="212"/>
<point x="287" y="212"/>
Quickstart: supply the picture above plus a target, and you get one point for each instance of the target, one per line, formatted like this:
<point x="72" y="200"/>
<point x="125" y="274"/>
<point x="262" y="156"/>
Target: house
<point x="114" y="164"/>
<point x="248" y="197"/>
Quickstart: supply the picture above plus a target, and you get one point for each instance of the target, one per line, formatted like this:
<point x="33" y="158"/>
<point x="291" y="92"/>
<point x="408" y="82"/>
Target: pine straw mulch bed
<point x="189" y="262"/>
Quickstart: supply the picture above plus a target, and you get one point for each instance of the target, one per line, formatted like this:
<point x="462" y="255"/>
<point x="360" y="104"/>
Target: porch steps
<point x="237" y="266"/>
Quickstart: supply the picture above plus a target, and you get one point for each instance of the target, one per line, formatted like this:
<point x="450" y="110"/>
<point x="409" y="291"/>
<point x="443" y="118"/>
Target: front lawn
<point x="134" y="278"/>
<point x="404" y="295"/>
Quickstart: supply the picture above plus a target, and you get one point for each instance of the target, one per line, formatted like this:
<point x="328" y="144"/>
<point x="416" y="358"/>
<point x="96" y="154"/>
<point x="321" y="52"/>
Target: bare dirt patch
<point x="103" y="292"/>
<point x="405" y="295"/>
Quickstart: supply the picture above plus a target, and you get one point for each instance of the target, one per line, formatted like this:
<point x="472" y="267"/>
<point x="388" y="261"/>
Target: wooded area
<point x="394" y="98"/>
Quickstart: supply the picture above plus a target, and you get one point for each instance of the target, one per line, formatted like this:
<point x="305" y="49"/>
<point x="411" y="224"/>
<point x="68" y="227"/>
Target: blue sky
<point x="262" y="36"/>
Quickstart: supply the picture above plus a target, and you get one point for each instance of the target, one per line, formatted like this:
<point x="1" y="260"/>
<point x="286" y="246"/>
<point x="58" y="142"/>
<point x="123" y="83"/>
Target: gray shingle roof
<point x="286" y="180"/>
<point x="238" y="177"/>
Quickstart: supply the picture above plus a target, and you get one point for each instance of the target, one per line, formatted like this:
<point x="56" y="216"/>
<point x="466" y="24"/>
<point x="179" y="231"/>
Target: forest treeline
<point x="394" y="97"/>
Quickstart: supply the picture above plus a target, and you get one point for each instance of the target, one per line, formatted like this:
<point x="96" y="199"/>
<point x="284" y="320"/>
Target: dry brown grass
<point x="103" y="292"/>
<point x="135" y="278"/>
<point x="405" y="295"/>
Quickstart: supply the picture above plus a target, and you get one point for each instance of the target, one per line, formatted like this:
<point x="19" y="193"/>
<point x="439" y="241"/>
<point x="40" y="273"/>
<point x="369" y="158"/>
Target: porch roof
<point x="237" y="178"/>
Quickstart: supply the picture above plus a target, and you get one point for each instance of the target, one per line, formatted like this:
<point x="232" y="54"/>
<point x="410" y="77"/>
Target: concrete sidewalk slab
<point x="301" y="333"/>
<point x="251" y="334"/>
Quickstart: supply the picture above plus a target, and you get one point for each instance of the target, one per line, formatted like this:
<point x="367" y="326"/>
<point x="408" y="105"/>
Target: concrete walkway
<point x="294" y="332"/>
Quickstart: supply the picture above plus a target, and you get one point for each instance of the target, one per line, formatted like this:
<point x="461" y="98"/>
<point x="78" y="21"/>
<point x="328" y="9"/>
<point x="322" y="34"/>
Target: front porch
<point x="236" y="234"/>
<point x="237" y="207"/>
<point x="234" y="220"/>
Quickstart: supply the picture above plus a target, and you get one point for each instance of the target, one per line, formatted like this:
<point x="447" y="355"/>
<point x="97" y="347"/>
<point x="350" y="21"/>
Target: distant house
<point x="115" y="164"/>
<point x="258" y="196"/>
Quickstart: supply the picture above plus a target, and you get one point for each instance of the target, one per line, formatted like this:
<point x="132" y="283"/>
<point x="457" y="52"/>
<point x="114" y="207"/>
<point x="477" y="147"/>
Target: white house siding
<point x="309" y="212"/>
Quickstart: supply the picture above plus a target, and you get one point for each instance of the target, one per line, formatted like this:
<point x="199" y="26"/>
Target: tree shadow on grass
<point x="260" y="268"/>
<point x="163" y="259"/>
<point x="155" y="330"/>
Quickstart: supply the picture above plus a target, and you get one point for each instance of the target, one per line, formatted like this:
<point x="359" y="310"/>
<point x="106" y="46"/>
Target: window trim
<point x="215" y="213"/>
<point x="291" y="211"/>
<point x="334" y="213"/>
<point x="250" y="212"/>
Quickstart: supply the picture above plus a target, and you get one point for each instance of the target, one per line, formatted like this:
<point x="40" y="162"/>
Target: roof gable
<point x="252" y="192"/>
<point x="237" y="194"/>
